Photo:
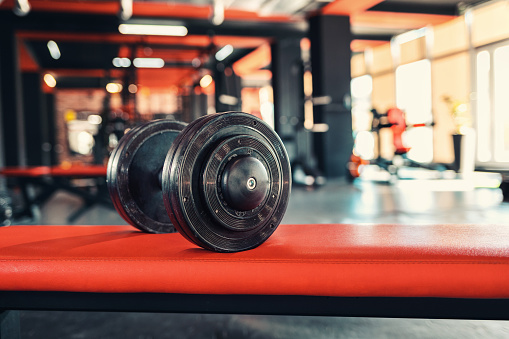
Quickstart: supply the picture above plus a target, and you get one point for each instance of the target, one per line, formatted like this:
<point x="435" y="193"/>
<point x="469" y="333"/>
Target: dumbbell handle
<point x="160" y="178"/>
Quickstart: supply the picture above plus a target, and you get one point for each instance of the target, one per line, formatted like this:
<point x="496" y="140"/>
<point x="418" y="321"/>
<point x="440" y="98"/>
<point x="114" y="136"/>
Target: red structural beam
<point x="145" y="9"/>
<point x="348" y="7"/>
<point x="397" y="20"/>
<point x="190" y="40"/>
<point x="259" y="58"/>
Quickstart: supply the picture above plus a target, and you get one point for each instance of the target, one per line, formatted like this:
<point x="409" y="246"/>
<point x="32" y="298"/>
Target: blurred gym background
<point x="392" y="111"/>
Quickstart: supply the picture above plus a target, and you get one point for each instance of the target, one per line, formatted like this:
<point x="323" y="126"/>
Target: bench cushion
<point x="55" y="171"/>
<point x="454" y="261"/>
<point x="31" y="172"/>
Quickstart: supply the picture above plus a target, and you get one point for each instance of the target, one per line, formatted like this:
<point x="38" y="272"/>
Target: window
<point x="501" y="104"/>
<point x="361" y="89"/>
<point x="413" y="96"/>
<point x="483" y="107"/>
<point x="492" y="105"/>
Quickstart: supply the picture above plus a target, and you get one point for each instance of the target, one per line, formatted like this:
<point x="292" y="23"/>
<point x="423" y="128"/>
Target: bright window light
<point x="483" y="107"/>
<point x="148" y="62"/>
<point x="224" y="52"/>
<point x="411" y="35"/>
<point x="94" y="119"/>
<point x="500" y="104"/>
<point x="152" y="30"/>
<point x="85" y="142"/>
<point x="205" y="81"/>
<point x="413" y="96"/>
<point x="54" y="51"/>
<point x="365" y="145"/>
<point x="50" y="80"/>
<point x="361" y="88"/>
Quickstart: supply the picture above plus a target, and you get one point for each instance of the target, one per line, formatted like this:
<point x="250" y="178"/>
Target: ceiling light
<point x="121" y="62"/>
<point x="217" y="17"/>
<point x="125" y="62"/>
<point x="148" y="62"/>
<point x="126" y="9"/>
<point x="21" y="7"/>
<point x="114" y="87"/>
<point x="50" y="80"/>
<point x="224" y="52"/>
<point x="228" y="100"/>
<point x="54" y="51"/>
<point x="196" y="62"/>
<point x="152" y="30"/>
<point x="205" y="81"/>
<point x="132" y="88"/>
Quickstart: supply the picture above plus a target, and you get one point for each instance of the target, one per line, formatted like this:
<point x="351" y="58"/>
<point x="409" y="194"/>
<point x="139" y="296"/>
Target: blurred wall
<point x="449" y="47"/>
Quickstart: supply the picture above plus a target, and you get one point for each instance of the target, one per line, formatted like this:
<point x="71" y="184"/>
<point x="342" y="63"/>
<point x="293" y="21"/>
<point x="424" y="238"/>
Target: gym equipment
<point x="395" y="120"/>
<point x="6" y="212"/>
<point x="37" y="184"/>
<point x="225" y="180"/>
<point x="447" y="270"/>
<point x="133" y="175"/>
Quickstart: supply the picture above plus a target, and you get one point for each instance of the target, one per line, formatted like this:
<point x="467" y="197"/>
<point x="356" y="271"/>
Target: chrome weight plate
<point x="134" y="175"/>
<point x="226" y="182"/>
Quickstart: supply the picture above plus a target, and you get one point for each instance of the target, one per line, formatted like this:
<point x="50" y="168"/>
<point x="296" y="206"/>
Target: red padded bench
<point x="432" y="271"/>
<point x="56" y="171"/>
<point x="51" y="179"/>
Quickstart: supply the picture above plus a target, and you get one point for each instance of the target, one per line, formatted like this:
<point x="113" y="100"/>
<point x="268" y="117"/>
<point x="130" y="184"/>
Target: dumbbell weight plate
<point x="133" y="175"/>
<point x="190" y="130"/>
<point x="226" y="182"/>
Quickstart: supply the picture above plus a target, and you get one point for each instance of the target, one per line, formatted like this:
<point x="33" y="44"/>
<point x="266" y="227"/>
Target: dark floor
<point x="405" y="202"/>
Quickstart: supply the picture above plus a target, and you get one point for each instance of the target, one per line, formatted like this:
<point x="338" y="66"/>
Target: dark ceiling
<point x="446" y="7"/>
<point x="75" y="55"/>
<point x="88" y="37"/>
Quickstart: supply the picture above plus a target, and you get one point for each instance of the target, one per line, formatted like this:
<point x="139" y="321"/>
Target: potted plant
<point x="460" y="114"/>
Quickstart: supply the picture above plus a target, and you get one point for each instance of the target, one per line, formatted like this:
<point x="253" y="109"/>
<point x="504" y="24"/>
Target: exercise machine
<point x="394" y="119"/>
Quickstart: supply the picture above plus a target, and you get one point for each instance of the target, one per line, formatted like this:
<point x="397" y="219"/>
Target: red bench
<point x="89" y="171"/>
<point x="48" y="180"/>
<point x="433" y="271"/>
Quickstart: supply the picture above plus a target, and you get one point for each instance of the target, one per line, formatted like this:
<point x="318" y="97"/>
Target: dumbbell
<point x="223" y="181"/>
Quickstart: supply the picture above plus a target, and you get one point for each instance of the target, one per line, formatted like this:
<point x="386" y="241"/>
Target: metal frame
<point x="389" y="307"/>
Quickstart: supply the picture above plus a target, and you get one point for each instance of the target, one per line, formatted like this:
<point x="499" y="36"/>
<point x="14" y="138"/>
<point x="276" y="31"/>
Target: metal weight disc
<point x="191" y="129"/>
<point x="134" y="171"/>
<point x="226" y="182"/>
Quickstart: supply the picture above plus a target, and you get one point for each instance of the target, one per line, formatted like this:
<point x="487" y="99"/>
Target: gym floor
<point x="404" y="202"/>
